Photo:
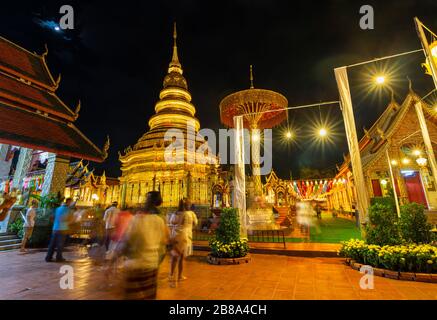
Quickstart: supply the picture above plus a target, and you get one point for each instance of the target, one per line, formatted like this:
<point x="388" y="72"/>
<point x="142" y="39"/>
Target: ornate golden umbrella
<point x="261" y="109"/>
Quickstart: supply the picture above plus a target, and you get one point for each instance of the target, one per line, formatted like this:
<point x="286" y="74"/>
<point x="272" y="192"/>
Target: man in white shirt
<point x="109" y="219"/>
<point x="29" y="223"/>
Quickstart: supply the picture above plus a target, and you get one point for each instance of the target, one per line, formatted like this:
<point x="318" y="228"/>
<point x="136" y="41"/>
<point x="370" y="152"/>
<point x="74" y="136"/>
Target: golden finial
<point x="251" y="77"/>
<point x="175" y="65"/>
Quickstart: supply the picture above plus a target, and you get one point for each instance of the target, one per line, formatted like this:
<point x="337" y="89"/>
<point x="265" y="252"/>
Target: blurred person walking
<point x="29" y="223"/>
<point x="109" y="219"/>
<point x="121" y="224"/>
<point x="61" y="227"/>
<point x="182" y="223"/>
<point x="144" y="245"/>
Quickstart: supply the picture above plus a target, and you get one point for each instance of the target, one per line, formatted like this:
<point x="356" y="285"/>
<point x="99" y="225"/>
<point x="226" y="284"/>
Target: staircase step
<point x="10" y="241"/>
<point x="10" y="247"/>
<point x="8" y="237"/>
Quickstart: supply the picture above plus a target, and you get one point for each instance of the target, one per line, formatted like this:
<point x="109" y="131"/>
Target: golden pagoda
<point x="144" y="166"/>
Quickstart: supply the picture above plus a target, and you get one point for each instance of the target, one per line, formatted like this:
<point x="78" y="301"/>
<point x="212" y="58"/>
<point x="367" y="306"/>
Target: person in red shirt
<point x="121" y="224"/>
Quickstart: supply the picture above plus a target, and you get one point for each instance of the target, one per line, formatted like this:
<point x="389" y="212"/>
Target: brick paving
<point x="28" y="276"/>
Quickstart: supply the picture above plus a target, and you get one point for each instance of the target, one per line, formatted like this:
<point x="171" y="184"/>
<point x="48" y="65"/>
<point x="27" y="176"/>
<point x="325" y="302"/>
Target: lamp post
<point x="349" y="121"/>
<point x="393" y="183"/>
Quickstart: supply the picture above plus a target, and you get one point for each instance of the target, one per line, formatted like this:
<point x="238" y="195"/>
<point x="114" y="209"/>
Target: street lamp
<point x="405" y="161"/>
<point x="323" y="132"/>
<point x="421" y="161"/>
<point x="380" y="79"/>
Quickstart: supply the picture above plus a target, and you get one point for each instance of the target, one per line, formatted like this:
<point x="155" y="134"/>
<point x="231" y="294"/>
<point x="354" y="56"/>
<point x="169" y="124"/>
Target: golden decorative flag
<point x="431" y="60"/>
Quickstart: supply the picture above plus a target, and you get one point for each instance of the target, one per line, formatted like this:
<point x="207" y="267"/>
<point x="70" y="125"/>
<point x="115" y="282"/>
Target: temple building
<point x="146" y="165"/>
<point x="37" y="132"/>
<point x="395" y="136"/>
<point x="88" y="189"/>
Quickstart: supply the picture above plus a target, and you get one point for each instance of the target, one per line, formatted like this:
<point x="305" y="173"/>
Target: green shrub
<point x="227" y="243"/>
<point x="385" y="201"/>
<point x="229" y="227"/>
<point x="17" y="227"/>
<point x="382" y="228"/>
<point x="49" y="201"/>
<point x="413" y="224"/>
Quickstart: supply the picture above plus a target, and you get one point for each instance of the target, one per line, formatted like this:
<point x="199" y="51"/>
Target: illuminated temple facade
<point x="144" y="166"/>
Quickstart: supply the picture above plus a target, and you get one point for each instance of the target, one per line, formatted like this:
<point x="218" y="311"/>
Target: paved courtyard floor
<point x="28" y="276"/>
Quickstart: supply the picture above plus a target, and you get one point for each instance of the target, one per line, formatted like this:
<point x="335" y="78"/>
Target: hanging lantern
<point x="421" y="161"/>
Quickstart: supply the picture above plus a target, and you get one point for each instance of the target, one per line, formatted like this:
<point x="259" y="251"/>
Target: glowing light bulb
<point x="380" y="79"/>
<point x="383" y="182"/>
<point x="323" y="132"/>
<point x="405" y="161"/>
<point x="289" y="135"/>
<point x="416" y="152"/>
<point x="394" y="163"/>
<point x="57" y="28"/>
<point x="255" y="137"/>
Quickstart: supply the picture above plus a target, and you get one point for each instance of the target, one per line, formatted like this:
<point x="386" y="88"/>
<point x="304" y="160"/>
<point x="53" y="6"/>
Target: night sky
<point x="115" y="60"/>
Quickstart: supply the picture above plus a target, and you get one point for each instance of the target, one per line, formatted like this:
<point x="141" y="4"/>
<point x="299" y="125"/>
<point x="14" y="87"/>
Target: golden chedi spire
<point x="174" y="77"/>
<point x="145" y="166"/>
<point x="175" y="65"/>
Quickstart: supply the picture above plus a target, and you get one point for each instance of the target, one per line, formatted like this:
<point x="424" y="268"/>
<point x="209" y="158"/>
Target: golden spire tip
<point x="251" y="77"/>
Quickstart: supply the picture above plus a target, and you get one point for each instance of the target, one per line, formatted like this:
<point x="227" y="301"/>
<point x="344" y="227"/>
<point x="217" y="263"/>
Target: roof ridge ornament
<point x="106" y="148"/>
<point x="410" y="84"/>
<point x="366" y="132"/>
<point x="58" y="81"/>
<point x="380" y="132"/>
<point x="44" y="54"/>
<point x="76" y="112"/>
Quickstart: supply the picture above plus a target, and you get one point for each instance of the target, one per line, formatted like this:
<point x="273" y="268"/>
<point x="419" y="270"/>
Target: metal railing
<point x="270" y="236"/>
<point x="275" y="236"/>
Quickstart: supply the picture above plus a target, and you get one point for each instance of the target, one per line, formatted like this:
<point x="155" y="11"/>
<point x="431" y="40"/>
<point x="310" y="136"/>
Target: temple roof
<point x="31" y="114"/>
<point x="384" y="127"/>
<point x="32" y="130"/>
<point x="25" y="95"/>
<point x="22" y="63"/>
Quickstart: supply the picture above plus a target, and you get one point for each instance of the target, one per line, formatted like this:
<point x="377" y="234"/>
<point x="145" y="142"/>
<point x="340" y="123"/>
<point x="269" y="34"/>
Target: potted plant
<point x="226" y="246"/>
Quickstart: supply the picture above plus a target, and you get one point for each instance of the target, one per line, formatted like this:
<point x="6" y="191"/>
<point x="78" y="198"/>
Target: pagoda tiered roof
<point x="22" y="63"/>
<point x="31" y="114"/>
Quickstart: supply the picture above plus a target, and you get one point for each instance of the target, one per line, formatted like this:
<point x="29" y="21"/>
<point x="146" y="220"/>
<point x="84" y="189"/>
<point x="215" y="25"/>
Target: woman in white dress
<point x="181" y="224"/>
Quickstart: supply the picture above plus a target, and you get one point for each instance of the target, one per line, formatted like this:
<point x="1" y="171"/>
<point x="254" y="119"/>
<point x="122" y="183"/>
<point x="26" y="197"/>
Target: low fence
<point x="271" y="236"/>
<point x="275" y="236"/>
